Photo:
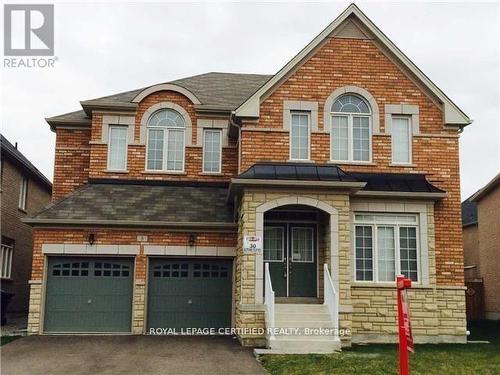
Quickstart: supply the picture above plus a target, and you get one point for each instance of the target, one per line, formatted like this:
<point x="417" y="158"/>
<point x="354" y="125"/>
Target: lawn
<point x="382" y="359"/>
<point x="6" y="339"/>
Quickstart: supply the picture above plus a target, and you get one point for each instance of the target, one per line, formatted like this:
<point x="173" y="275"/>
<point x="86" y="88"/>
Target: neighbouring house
<point x="343" y="167"/>
<point x="24" y="191"/>
<point x="481" y="235"/>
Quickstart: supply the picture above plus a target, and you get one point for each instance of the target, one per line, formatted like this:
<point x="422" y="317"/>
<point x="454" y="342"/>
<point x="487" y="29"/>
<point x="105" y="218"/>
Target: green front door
<point x="87" y="295"/>
<point x="189" y="293"/>
<point x="290" y="250"/>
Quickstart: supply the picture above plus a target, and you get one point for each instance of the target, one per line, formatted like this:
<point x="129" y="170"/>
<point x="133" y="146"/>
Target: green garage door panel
<point x="89" y="295"/>
<point x="189" y="293"/>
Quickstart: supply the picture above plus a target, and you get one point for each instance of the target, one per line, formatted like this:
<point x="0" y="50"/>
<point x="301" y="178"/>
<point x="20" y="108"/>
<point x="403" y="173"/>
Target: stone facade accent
<point x="139" y="308"/>
<point x="249" y="267"/>
<point x="35" y="306"/>
<point x="437" y="314"/>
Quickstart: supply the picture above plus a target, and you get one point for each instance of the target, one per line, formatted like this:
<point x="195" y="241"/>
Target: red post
<point x="404" y="326"/>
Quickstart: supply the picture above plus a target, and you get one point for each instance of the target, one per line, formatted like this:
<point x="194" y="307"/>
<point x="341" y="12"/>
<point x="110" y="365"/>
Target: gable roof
<point x="453" y="115"/>
<point x="486" y="189"/>
<point x="219" y="91"/>
<point x="11" y="152"/>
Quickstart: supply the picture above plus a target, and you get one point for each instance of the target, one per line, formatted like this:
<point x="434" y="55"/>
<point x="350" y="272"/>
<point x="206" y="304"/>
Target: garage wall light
<point x="192" y="239"/>
<point x="91" y="238"/>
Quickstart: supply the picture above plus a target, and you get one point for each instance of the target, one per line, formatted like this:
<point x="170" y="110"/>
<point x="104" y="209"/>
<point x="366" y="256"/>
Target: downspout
<point x="233" y="123"/>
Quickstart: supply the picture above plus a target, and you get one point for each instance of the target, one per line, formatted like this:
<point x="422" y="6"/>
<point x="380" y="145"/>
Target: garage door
<point x="189" y="293"/>
<point x="88" y="295"/>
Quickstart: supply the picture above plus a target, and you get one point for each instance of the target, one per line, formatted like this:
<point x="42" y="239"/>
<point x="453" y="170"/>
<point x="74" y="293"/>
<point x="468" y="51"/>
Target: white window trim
<point x="219" y="131"/>
<point x="282" y="245"/>
<point x="165" y="143"/>
<point x="350" y="139"/>
<point x="308" y="114"/>
<point x="410" y="140"/>
<point x="397" y="249"/>
<point x="23" y="194"/>
<point x="109" y="169"/>
<point x="9" y="251"/>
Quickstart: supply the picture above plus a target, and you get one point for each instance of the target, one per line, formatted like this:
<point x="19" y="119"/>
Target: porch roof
<point x="141" y="205"/>
<point x="298" y="171"/>
<point x="400" y="185"/>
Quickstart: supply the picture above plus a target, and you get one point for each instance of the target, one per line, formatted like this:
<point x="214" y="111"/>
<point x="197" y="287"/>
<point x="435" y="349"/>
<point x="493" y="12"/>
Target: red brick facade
<point x="339" y="62"/>
<point x="353" y="62"/>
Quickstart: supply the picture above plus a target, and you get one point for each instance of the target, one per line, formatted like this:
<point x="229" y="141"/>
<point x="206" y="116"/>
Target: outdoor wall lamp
<point x="91" y="238"/>
<point x="192" y="239"/>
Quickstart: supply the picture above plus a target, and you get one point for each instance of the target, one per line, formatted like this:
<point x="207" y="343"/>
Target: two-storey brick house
<point x="345" y="163"/>
<point x="24" y="191"/>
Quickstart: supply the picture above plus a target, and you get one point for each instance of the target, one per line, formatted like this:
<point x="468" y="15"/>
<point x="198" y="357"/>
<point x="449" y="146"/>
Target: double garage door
<point x="91" y="295"/>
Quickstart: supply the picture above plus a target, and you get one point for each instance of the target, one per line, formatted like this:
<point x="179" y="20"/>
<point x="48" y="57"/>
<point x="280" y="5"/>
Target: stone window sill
<point x="180" y="173"/>
<point x="357" y="284"/>
<point x="115" y="171"/>
<point x="402" y="165"/>
<point x="344" y="162"/>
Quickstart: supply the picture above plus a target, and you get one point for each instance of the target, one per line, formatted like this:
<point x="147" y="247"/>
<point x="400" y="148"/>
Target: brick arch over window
<point x="165" y="87"/>
<point x="305" y="201"/>
<point x="166" y="105"/>
<point x="327" y="118"/>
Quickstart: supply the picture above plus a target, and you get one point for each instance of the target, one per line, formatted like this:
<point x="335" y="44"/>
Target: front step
<point x="303" y="320"/>
<point x="304" y="344"/>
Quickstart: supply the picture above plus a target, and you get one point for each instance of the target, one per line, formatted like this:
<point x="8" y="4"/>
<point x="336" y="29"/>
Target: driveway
<point x="176" y="355"/>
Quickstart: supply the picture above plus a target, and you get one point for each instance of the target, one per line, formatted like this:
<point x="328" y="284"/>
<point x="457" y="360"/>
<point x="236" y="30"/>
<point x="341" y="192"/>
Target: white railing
<point x="269" y="300"/>
<point x="331" y="298"/>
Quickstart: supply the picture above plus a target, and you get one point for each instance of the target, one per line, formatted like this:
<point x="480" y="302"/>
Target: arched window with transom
<point x="351" y="129"/>
<point x="166" y="133"/>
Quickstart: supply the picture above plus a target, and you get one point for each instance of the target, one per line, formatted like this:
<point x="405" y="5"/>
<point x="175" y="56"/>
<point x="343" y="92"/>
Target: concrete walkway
<point x="176" y="355"/>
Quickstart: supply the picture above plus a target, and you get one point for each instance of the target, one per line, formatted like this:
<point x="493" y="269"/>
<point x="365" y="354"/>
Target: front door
<point x="290" y="250"/>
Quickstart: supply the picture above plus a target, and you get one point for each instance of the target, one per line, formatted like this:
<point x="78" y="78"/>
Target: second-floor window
<point x="401" y="134"/>
<point x="351" y="129"/>
<point x="117" y="151"/>
<point x="23" y="194"/>
<point x="212" y="150"/>
<point x="300" y="136"/>
<point x="165" y="146"/>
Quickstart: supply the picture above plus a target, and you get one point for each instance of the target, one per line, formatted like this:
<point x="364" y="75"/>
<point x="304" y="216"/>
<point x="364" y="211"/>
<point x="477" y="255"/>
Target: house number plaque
<point x="252" y="244"/>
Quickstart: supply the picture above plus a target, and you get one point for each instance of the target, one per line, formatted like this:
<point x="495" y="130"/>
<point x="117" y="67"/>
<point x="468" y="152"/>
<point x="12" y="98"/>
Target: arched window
<point x="351" y="129"/>
<point x="165" y="151"/>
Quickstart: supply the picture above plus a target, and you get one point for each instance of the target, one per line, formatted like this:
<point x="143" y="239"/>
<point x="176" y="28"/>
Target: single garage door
<point x="88" y="295"/>
<point x="189" y="293"/>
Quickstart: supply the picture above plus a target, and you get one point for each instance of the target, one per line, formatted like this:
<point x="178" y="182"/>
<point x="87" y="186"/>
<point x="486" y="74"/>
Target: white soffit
<point x="453" y="115"/>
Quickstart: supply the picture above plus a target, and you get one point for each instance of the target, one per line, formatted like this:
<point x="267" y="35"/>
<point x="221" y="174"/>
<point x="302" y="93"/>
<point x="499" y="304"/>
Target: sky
<point x="104" y="48"/>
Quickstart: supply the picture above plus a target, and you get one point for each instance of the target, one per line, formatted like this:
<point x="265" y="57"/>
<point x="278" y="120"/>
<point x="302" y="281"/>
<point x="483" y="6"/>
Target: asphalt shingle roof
<point x="143" y="203"/>
<point x="469" y="212"/>
<point x="224" y="91"/>
<point x="14" y="154"/>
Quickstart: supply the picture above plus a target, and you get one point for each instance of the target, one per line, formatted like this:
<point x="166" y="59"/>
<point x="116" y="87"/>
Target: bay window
<point x="351" y="129"/>
<point x="385" y="245"/>
<point x="165" y="145"/>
